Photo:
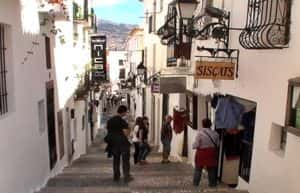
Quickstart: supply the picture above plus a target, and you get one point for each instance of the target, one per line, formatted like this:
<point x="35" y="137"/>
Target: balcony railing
<point x="267" y="25"/>
<point x="80" y="10"/>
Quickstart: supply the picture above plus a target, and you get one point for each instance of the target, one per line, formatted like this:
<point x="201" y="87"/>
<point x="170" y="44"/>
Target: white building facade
<point x="265" y="80"/>
<point x="135" y="49"/>
<point x="43" y="119"/>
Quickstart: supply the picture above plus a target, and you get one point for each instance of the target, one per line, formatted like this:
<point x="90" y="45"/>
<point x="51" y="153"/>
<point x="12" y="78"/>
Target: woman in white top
<point x="135" y="139"/>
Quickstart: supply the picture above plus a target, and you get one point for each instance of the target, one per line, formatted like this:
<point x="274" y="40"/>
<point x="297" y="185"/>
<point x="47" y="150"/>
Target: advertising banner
<point x="99" y="61"/>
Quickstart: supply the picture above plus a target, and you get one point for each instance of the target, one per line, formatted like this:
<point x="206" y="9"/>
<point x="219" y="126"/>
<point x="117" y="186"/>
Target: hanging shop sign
<point x="215" y="70"/>
<point x="155" y="86"/>
<point x="99" y="65"/>
<point x="172" y="84"/>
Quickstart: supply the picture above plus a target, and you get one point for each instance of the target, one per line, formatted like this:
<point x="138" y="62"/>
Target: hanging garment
<point x="232" y="144"/>
<point x="228" y="113"/>
<point x="179" y="120"/>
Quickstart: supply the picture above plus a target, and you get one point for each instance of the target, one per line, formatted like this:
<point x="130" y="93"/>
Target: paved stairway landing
<point x="92" y="173"/>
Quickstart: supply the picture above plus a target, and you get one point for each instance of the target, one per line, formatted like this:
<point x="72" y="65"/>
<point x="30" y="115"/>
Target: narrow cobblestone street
<point x="92" y="173"/>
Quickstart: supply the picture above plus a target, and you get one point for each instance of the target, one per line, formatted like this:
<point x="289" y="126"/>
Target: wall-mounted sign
<point x="155" y="86"/>
<point x="172" y="84"/>
<point x="215" y="70"/>
<point x="99" y="65"/>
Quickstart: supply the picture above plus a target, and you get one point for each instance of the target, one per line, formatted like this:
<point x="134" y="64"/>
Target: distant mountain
<point x="116" y="33"/>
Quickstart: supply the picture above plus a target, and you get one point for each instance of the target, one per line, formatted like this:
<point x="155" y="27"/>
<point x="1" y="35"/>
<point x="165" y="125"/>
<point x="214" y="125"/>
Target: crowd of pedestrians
<point x="119" y="137"/>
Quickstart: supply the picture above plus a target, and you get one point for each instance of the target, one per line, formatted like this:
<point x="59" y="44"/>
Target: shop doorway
<point x="51" y="123"/>
<point x="237" y="145"/>
<point x="165" y="106"/>
<point x="153" y="120"/>
<point x="185" y="143"/>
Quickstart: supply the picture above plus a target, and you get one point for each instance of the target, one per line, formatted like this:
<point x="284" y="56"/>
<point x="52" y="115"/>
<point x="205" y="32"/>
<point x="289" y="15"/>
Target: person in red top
<point x="206" y="143"/>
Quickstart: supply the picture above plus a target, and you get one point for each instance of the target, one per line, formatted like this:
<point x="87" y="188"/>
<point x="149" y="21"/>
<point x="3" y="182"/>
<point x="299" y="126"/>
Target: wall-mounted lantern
<point x="186" y="8"/>
<point x="142" y="72"/>
<point x="267" y="24"/>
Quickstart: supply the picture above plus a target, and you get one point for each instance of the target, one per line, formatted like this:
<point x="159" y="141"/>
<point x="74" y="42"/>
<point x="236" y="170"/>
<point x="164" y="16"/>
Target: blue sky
<point x="120" y="11"/>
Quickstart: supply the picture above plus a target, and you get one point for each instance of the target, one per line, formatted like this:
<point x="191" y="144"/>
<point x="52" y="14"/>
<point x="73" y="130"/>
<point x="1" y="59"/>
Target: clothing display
<point x="232" y="144"/>
<point x="228" y="113"/>
<point x="179" y="120"/>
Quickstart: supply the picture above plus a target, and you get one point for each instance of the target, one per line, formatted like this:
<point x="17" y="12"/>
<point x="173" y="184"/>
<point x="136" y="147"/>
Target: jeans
<point x="144" y="151"/>
<point x="136" y="152"/>
<point x="117" y="154"/>
<point x="212" y="176"/>
<point x="166" y="149"/>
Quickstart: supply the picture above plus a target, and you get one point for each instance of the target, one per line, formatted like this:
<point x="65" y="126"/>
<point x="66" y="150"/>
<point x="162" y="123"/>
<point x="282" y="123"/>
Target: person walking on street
<point x="135" y="139"/>
<point x="166" y="138"/>
<point x="143" y="138"/>
<point x="117" y="137"/>
<point x="206" y="143"/>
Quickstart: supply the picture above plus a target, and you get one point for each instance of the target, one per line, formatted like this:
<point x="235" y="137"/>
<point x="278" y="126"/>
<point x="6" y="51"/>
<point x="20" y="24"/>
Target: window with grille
<point x="3" y="72"/>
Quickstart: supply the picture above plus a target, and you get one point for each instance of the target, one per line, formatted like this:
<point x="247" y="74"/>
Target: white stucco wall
<point x="113" y="62"/>
<point x="263" y="78"/>
<point x="24" y="163"/>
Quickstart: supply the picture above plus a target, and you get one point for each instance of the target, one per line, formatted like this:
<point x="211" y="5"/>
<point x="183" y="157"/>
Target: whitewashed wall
<point x="263" y="77"/>
<point x="24" y="163"/>
<point x="24" y="151"/>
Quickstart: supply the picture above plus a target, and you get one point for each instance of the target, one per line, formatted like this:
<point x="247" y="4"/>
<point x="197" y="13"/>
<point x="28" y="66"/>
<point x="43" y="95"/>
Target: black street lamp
<point x="141" y="69"/>
<point x="186" y="8"/>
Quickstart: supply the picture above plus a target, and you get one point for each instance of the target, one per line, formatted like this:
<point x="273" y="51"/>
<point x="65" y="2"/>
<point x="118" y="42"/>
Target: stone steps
<point x="92" y="173"/>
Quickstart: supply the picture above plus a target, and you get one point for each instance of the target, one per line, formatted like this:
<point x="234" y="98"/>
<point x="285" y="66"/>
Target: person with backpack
<point x="206" y="144"/>
<point x="118" y="144"/>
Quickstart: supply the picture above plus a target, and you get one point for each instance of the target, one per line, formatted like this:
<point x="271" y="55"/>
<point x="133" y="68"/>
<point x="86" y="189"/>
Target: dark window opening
<point x="48" y="52"/>
<point x="51" y="123"/>
<point x="122" y="74"/>
<point x="3" y="72"/>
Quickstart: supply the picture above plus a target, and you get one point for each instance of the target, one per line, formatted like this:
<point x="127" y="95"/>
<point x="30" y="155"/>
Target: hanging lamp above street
<point x="186" y="8"/>
<point x="141" y="69"/>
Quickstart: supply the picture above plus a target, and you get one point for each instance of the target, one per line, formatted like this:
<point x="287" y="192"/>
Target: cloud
<point x="107" y="3"/>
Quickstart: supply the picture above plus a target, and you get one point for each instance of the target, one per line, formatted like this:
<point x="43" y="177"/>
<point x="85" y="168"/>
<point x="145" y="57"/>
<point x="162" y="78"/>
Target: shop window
<point x="293" y="107"/>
